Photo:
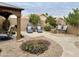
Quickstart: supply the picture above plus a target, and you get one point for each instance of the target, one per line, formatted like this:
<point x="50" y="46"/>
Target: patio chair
<point x="59" y="28"/>
<point x="39" y="29"/>
<point x="65" y="28"/>
<point x="29" y="28"/>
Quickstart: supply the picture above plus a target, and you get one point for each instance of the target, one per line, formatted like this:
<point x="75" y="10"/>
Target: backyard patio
<point x="61" y="45"/>
<point x="50" y="39"/>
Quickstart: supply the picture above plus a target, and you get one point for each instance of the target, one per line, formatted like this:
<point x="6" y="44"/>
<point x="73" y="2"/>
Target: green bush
<point x="34" y="19"/>
<point x="47" y="28"/>
<point x="73" y="18"/>
<point x="51" y="21"/>
<point x="35" y="46"/>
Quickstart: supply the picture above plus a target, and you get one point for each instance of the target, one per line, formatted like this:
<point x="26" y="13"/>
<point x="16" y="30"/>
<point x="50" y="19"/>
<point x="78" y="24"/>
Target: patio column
<point x="18" y="27"/>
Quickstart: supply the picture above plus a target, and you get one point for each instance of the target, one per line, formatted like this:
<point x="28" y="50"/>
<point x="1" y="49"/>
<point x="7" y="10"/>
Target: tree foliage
<point x="34" y="19"/>
<point x="47" y="28"/>
<point x="51" y="21"/>
<point x="73" y="18"/>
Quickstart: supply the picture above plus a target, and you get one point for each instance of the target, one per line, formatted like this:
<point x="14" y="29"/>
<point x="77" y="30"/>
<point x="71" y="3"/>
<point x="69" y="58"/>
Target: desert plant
<point x="73" y="18"/>
<point x="35" y="46"/>
<point x="47" y="28"/>
<point x="5" y="25"/>
<point x="51" y="21"/>
<point x="34" y="19"/>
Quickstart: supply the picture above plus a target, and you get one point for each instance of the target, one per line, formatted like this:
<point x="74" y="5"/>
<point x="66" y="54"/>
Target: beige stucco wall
<point x="60" y="20"/>
<point x="1" y="21"/>
<point x="43" y="19"/>
<point x="24" y="22"/>
<point x="73" y="30"/>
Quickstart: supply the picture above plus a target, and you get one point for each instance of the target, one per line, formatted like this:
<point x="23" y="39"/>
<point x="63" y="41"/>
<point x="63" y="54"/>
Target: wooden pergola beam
<point x="6" y="10"/>
<point x="18" y="27"/>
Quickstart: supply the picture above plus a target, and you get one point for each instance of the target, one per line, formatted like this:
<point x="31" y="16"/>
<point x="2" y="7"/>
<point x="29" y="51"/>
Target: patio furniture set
<point x="62" y="28"/>
<point x="31" y="29"/>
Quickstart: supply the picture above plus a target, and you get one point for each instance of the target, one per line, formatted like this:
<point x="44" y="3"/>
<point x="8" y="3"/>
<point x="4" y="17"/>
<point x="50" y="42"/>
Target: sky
<point x="52" y="8"/>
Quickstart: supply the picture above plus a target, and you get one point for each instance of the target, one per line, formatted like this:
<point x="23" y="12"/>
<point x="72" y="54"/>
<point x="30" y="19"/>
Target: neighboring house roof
<point x="2" y="4"/>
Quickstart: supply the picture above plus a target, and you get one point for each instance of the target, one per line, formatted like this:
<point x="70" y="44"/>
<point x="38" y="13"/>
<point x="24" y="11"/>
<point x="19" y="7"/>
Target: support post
<point x="18" y="27"/>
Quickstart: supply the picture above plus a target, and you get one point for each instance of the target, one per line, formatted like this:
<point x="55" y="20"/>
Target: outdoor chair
<point x="64" y="28"/>
<point x="39" y="29"/>
<point x="59" y="28"/>
<point x="29" y="28"/>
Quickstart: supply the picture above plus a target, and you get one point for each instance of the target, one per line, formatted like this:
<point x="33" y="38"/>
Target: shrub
<point x="51" y="21"/>
<point x="34" y="19"/>
<point x="73" y="18"/>
<point x="35" y="46"/>
<point x="47" y="28"/>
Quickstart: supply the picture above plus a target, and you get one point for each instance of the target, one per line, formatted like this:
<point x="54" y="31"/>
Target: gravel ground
<point x="77" y="44"/>
<point x="62" y="45"/>
<point x="11" y="48"/>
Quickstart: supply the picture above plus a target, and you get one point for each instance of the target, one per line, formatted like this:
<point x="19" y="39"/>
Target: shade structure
<point x="6" y="10"/>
